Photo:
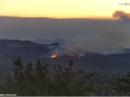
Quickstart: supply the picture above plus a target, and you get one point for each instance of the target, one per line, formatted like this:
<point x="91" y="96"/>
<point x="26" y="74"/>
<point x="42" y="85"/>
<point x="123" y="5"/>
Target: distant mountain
<point x="27" y="50"/>
<point x="42" y="41"/>
<point x="15" y="43"/>
<point x="126" y="50"/>
<point x="61" y="42"/>
<point x="89" y="61"/>
<point x="47" y="41"/>
<point x="116" y="61"/>
<point x="22" y="48"/>
<point x="106" y="63"/>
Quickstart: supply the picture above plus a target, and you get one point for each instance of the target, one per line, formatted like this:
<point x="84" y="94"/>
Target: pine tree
<point x="41" y="70"/>
<point x="42" y="80"/>
<point x="18" y="71"/>
<point x="19" y="78"/>
<point x="29" y="72"/>
<point x="122" y="85"/>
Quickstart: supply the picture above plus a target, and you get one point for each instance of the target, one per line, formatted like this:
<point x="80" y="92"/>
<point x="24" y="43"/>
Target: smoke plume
<point x="82" y="34"/>
<point x="121" y="15"/>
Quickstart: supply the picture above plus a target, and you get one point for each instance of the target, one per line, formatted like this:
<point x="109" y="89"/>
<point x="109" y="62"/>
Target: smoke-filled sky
<point x="91" y="24"/>
<point x="89" y="34"/>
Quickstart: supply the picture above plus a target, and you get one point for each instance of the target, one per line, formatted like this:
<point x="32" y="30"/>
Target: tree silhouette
<point x="122" y="85"/>
<point x="18" y="71"/>
<point x="65" y="81"/>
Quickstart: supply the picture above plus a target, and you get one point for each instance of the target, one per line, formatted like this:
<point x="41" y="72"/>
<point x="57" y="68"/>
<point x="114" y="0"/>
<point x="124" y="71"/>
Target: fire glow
<point x="54" y="55"/>
<point x="70" y="54"/>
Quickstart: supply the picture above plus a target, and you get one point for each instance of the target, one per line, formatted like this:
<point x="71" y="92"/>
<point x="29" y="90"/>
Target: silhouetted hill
<point x="22" y="48"/>
<point x="107" y="63"/>
<point x="91" y="61"/>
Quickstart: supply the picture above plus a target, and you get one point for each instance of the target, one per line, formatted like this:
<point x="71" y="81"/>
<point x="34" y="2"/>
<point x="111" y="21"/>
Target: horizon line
<point x="60" y="18"/>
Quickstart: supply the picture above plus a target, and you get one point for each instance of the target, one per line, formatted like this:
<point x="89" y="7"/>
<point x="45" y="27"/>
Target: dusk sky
<point x="93" y="24"/>
<point x="62" y="8"/>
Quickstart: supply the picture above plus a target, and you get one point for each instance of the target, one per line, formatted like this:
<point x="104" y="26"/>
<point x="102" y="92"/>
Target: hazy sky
<point x="89" y="34"/>
<point x="62" y="8"/>
<point x="102" y="31"/>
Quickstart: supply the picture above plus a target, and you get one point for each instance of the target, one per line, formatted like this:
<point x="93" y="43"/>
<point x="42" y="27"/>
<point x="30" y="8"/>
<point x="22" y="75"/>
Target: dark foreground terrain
<point x="26" y="68"/>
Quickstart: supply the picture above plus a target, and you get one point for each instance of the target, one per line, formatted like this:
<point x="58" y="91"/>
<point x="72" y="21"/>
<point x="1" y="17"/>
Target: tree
<point x="70" y="82"/>
<point x="18" y="70"/>
<point x="39" y="82"/>
<point x="19" y="78"/>
<point x="41" y="78"/>
<point x="122" y="85"/>
<point x="28" y="72"/>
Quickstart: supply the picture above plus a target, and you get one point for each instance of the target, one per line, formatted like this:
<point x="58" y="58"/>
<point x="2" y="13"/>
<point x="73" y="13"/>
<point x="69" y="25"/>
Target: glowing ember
<point x="54" y="55"/>
<point x="71" y="55"/>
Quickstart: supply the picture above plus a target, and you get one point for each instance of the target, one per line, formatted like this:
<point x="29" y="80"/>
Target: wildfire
<point x="71" y="55"/>
<point x="54" y="55"/>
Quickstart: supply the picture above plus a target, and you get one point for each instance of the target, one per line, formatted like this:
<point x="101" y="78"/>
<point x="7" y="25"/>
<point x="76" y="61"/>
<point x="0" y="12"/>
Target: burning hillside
<point x="57" y="51"/>
<point x="54" y="55"/>
<point x="69" y="55"/>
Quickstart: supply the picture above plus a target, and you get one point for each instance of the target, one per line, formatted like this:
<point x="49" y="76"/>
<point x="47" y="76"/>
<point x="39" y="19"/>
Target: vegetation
<point x="36" y="80"/>
<point x="122" y="85"/>
<point x="29" y="81"/>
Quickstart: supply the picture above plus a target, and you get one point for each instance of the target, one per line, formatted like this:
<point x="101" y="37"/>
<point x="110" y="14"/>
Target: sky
<point x="62" y="8"/>
<point x="95" y="25"/>
<point x="86" y="34"/>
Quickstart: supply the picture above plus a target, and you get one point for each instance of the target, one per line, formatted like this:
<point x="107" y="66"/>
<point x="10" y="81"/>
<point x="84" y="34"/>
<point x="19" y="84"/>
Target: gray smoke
<point x="82" y="34"/>
<point x="121" y="15"/>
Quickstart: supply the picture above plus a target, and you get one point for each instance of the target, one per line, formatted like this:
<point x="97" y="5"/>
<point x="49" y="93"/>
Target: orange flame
<point x="54" y="55"/>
